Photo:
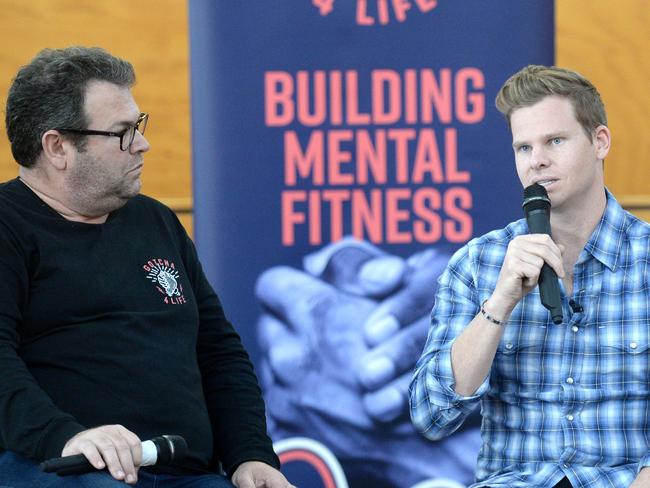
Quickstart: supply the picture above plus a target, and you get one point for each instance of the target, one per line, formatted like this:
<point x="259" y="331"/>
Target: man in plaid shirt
<point x="562" y="405"/>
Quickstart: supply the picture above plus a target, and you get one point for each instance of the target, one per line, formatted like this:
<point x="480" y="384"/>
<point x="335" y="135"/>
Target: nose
<point x="539" y="157"/>
<point x="139" y="144"/>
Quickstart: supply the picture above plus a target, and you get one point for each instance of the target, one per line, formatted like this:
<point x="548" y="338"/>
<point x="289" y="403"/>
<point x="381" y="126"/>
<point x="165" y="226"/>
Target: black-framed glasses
<point x="126" y="136"/>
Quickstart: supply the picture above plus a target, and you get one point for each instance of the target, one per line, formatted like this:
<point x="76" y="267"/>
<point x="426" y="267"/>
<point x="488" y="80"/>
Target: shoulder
<point x="12" y="192"/>
<point x="20" y="209"/>
<point x="500" y="237"/>
<point x="621" y="224"/>
<point x="10" y="185"/>
<point x="617" y="219"/>
<point x="622" y="240"/>
<point x="495" y="242"/>
<point x="637" y="234"/>
<point x="637" y="228"/>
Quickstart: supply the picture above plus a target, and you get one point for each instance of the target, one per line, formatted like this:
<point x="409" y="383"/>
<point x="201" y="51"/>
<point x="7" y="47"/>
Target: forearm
<point x="474" y="350"/>
<point x="472" y="353"/>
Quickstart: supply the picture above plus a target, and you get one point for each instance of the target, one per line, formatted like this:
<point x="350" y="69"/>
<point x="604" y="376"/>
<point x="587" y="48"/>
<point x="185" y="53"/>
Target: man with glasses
<point x="109" y="331"/>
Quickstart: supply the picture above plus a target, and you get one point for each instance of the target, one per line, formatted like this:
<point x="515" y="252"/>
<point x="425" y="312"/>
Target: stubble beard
<point x="95" y="191"/>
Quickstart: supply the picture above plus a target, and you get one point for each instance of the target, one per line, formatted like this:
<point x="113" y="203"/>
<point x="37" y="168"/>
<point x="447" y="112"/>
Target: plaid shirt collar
<point x="608" y="237"/>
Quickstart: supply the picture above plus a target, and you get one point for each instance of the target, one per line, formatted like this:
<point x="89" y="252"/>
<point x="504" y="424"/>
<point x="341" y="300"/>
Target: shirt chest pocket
<point x="623" y="354"/>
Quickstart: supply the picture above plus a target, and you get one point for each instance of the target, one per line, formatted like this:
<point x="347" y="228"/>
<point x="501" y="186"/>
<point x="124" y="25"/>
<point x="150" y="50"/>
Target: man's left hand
<point x="255" y="474"/>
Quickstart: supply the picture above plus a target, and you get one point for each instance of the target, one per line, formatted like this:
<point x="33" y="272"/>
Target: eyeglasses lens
<point x="129" y="135"/>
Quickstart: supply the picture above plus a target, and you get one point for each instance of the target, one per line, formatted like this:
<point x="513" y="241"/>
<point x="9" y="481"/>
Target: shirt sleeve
<point x="30" y="423"/>
<point x="232" y="393"/>
<point x="436" y="409"/>
<point x="644" y="463"/>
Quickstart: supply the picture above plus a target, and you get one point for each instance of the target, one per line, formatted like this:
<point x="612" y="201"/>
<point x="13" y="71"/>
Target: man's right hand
<point x="521" y="268"/>
<point x="111" y="446"/>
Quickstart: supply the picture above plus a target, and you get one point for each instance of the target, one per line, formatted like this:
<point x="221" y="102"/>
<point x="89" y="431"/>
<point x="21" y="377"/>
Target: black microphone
<point x="537" y="207"/>
<point x="166" y="449"/>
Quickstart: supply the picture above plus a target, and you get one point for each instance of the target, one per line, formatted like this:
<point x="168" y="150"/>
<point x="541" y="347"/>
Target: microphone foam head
<point x="536" y="197"/>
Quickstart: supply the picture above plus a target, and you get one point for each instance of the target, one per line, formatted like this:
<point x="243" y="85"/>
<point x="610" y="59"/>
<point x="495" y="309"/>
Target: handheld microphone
<point x="537" y="207"/>
<point x="166" y="449"/>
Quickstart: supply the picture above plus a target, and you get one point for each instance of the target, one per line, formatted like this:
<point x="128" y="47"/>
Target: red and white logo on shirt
<point x="165" y="277"/>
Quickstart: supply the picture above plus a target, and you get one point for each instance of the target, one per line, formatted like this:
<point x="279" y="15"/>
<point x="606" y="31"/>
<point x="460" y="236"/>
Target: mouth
<point x="546" y="182"/>
<point x="137" y="169"/>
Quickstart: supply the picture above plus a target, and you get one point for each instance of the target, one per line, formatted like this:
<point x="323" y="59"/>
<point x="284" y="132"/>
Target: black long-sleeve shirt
<point x="115" y="323"/>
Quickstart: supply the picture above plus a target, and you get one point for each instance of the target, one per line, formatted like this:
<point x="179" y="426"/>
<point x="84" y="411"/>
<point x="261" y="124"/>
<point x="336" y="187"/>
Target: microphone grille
<point x="535" y="197"/>
<point x="178" y="447"/>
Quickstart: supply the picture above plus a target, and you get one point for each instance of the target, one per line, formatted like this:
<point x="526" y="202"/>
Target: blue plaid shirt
<point x="560" y="400"/>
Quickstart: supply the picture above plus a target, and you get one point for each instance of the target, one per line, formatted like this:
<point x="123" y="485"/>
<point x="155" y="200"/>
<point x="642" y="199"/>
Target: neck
<point x="573" y="228"/>
<point x="53" y="199"/>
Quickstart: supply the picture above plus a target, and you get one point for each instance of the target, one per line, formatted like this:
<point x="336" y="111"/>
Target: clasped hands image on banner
<point x="339" y="342"/>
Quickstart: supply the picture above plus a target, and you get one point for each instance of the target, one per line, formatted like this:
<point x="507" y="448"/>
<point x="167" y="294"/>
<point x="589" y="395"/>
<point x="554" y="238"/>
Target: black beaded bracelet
<point x="489" y="317"/>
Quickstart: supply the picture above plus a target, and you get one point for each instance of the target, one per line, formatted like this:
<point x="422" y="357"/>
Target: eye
<point x="557" y="140"/>
<point x="523" y="148"/>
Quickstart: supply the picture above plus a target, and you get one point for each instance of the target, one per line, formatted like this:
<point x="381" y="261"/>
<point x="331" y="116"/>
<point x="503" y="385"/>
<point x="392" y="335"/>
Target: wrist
<point x="497" y="309"/>
<point x="489" y="317"/>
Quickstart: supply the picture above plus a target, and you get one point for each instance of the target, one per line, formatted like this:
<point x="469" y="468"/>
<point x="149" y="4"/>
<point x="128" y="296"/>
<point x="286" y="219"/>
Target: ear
<point x="56" y="149"/>
<point x="602" y="140"/>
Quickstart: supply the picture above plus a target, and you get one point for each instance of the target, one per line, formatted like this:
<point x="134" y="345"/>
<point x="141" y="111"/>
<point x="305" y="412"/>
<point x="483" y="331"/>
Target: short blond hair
<point x="535" y="82"/>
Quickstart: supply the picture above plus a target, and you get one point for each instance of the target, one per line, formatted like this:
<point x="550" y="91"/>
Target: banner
<point x="342" y="151"/>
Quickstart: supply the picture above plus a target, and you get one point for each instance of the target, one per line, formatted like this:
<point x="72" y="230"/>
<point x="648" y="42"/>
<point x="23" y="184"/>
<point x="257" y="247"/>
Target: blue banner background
<point x="239" y="174"/>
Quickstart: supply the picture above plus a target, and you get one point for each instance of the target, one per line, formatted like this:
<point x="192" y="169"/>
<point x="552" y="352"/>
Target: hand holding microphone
<point x="118" y="450"/>
<point x="165" y="449"/>
<point x="537" y="207"/>
<point x="531" y="260"/>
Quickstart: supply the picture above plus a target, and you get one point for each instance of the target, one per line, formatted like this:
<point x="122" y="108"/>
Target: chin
<point x="135" y="188"/>
<point x="127" y="194"/>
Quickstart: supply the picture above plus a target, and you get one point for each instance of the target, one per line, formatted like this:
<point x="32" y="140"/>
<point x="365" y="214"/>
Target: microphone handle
<point x="165" y="449"/>
<point x="68" y="465"/>
<point x="79" y="464"/>
<point x="549" y="286"/>
<point x="549" y="291"/>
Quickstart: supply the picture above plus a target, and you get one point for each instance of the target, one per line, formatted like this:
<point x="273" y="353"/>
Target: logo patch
<point x="165" y="277"/>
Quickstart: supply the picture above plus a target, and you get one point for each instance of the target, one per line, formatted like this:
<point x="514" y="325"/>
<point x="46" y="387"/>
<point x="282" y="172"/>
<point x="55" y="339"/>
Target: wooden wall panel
<point x="608" y="42"/>
<point x="153" y="36"/>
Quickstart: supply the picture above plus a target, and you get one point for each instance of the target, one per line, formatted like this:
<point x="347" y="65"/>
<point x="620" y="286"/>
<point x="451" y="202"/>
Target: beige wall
<point x="153" y="36"/>
<point x="606" y="41"/>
